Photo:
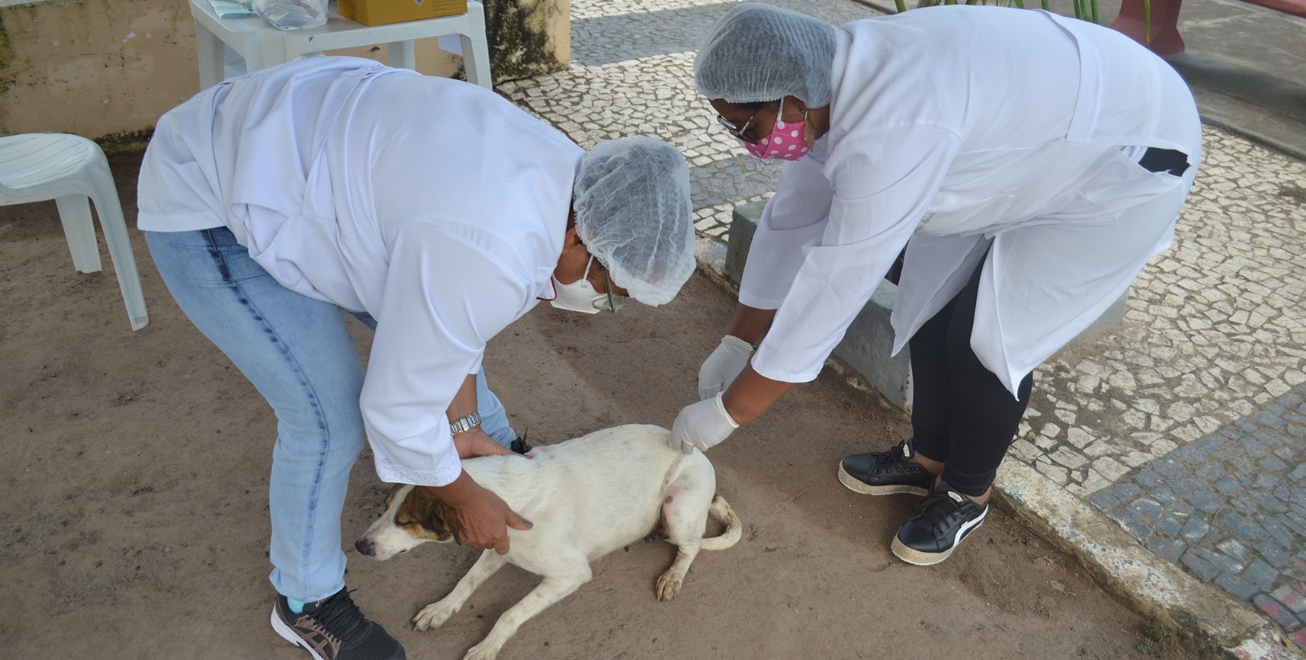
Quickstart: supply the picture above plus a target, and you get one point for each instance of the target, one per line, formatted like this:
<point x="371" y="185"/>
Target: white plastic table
<point x="264" y="46"/>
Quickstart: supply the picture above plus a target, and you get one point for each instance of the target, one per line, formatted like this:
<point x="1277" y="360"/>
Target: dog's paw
<point x="669" y="585"/>
<point x="434" y="615"/>
<point x="482" y="651"/>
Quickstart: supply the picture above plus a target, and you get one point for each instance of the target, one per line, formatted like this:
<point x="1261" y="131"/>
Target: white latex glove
<point x="704" y="424"/>
<point x="723" y="366"/>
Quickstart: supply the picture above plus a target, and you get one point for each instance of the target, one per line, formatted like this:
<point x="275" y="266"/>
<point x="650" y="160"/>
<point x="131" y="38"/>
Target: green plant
<point x="1156" y="639"/>
<point x="1086" y="10"/>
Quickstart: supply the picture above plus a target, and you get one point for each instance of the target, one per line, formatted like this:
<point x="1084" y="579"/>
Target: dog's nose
<point x="365" y="546"/>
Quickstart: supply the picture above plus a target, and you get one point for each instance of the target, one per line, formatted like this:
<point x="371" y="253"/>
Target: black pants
<point x="962" y="414"/>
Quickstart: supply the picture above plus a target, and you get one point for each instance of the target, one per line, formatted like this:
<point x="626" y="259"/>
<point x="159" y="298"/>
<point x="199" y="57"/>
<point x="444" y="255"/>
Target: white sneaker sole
<point x="288" y="634"/>
<point x="858" y="486"/>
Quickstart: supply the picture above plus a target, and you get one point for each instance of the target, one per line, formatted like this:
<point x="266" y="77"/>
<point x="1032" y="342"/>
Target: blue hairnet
<point x="758" y="53"/>
<point x="633" y="212"/>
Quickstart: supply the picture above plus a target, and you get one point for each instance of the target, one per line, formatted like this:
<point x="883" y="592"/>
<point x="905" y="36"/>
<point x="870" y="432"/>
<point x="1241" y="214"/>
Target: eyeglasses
<point x="739" y="132"/>
<point x="615" y="301"/>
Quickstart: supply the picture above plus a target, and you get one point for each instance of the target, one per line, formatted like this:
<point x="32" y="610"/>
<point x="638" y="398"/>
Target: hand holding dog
<point x="483" y="518"/>
<point x="475" y="442"/>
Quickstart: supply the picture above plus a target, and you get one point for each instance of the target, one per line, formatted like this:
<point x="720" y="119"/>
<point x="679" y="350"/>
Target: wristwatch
<point x="465" y="424"/>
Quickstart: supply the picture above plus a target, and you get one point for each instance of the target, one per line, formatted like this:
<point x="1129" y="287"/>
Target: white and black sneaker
<point x="937" y="526"/>
<point x="334" y="629"/>
<point x="886" y="472"/>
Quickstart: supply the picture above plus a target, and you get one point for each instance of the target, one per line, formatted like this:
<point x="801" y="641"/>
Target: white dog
<point x="586" y="497"/>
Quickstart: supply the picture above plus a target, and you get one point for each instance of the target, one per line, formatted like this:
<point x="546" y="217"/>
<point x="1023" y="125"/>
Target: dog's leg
<point x="685" y="511"/>
<point x="435" y="614"/>
<point x="553" y="589"/>
<point x="669" y="583"/>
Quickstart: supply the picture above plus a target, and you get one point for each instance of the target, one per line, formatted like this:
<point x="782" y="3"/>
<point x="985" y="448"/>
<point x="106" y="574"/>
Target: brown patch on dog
<point x="424" y="516"/>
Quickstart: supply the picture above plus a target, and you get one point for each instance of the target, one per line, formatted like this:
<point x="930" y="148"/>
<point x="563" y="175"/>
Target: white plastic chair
<point x="68" y="169"/>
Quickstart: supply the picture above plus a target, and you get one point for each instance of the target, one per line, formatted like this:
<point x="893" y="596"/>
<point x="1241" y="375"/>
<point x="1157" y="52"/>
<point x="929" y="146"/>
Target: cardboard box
<point x="384" y="12"/>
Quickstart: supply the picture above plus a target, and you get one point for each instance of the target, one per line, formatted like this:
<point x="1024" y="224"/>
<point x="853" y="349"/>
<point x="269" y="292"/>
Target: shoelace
<point x="937" y="507"/>
<point x="897" y="458"/>
<point x="341" y="617"/>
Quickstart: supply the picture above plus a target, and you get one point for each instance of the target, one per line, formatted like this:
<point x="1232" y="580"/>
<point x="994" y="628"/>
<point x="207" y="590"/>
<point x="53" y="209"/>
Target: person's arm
<point x="474" y="441"/>
<point x="884" y="183"/>
<point x="749" y="323"/>
<point x="882" y="188"/>
<point x="435" y="318"/>
<point x="795" y="216"/>
<point x="751" y="394"/>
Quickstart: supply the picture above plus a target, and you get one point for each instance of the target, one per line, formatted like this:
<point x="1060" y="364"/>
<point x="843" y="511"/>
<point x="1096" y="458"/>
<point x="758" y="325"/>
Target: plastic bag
<point x="292" y="14"/>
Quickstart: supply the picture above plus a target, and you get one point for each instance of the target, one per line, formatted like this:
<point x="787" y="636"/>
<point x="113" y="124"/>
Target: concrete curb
<point x="1154" y="587"/>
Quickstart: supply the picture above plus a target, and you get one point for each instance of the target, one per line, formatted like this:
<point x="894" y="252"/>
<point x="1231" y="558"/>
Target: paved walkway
<point x="1185" y="425"/>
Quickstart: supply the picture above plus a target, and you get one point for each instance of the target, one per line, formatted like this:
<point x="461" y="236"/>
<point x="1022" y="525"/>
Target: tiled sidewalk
<point x="1185" y="425"/>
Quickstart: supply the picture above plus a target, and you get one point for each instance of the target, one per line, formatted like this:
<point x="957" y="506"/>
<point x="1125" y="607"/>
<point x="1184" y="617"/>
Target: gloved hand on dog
<point x="723" y="366"/>
<point x="704" y="424"/>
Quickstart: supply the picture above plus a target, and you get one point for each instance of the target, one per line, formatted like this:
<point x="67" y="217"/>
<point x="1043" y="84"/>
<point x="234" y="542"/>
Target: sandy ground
<point x="133" y="478"/>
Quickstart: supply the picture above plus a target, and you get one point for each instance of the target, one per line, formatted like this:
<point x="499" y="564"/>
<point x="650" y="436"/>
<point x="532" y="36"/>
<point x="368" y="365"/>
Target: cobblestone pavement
<point x="1186" y="425"/>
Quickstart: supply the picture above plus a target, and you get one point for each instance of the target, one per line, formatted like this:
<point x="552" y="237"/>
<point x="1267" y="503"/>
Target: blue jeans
<point x="298" y="354"/>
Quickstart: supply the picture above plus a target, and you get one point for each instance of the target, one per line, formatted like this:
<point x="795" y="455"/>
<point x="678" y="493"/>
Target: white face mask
<point x="579" y="296"/>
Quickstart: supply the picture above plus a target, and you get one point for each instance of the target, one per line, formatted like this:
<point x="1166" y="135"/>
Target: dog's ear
<point x="426" y="517"/>
<point x="390" y="496"/>
<point x="448" y="520"/>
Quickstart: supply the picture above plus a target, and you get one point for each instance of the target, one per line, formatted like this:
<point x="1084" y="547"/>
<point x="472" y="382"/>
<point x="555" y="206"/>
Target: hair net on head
<point x="760" y="53"/>
<point x="634" y="214"/>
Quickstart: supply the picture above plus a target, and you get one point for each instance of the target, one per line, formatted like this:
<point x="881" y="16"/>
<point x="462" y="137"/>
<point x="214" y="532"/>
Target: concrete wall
<point x="107" y="69"/>
<point x="94" y="68"/>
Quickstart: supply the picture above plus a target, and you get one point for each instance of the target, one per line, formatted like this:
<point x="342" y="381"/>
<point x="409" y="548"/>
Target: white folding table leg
<point x="75" y="214"/>
<point x="212" y="57"/>
<point x="401" y="54"/>
<point x="114" y="225"/>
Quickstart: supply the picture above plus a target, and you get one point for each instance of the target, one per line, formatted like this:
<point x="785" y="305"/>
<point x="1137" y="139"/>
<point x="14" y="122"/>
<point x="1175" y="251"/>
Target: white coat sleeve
<point x="794" y="217"/>
<point x="883" y="183"/>
<point x="447" y="292"/>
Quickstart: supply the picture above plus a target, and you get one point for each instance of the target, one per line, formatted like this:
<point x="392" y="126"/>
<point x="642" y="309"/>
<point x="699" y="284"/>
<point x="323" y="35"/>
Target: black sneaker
<point x="937" y="526"/>
<point x="334" y="629"/>
<point x="886" y="472"/>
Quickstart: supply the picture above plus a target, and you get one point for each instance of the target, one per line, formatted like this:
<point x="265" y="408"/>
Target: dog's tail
<point x="734" y="529"/>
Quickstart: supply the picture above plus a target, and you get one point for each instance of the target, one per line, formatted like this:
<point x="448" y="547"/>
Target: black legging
<point x="962" y="414"/>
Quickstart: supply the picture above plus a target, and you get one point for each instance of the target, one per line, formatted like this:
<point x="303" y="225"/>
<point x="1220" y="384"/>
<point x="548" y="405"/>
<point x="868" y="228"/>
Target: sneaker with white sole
<point x="937" y="526"/>
<point x="334" y="629"/>
<point x="886" y="472"/>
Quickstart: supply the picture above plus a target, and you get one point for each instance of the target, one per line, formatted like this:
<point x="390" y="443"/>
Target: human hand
<point x="482" y="517"/>
<point x="704" y="425"/>
<point x="723" y="366"/>
<point x="476" y="442"/>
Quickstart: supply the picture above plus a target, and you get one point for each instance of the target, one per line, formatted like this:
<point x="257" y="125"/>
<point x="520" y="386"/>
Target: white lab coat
<point x="964" y="129"/>
<point x="435" y="206"/>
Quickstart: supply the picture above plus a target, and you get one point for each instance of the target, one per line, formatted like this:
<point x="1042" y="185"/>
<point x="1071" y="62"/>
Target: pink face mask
<point x="787" y="141"/>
